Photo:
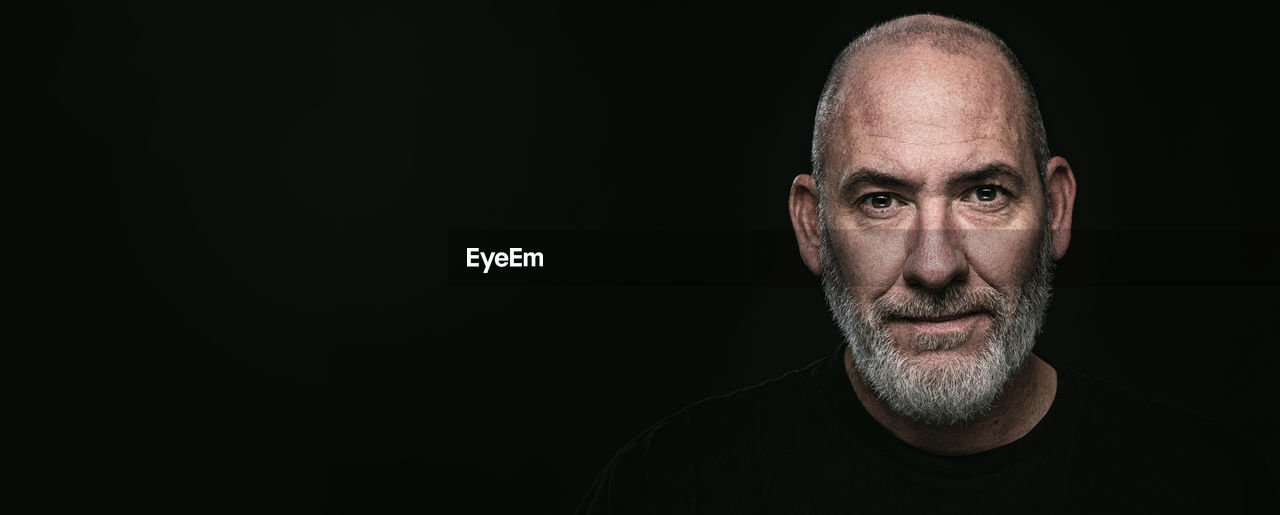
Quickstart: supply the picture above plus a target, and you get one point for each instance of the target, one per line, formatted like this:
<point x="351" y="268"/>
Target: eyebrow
<point x="990" y="171"/>
<point x="876" y="178"/>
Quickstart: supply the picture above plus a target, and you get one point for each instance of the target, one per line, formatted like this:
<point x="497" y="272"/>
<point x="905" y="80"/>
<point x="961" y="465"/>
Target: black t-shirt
<point x="803" y="443"/>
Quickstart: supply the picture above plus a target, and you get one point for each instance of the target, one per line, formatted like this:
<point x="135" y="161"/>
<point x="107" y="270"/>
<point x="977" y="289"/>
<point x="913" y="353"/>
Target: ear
<point x="804" y="220"/>
<point x="1061" y="185"/>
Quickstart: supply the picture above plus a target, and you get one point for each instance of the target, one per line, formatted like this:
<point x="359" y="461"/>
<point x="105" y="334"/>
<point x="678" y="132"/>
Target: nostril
<point x="935" y="262"/>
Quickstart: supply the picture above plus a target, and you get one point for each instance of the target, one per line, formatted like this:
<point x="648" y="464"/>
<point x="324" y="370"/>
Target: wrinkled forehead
<point x="932" y="104"/>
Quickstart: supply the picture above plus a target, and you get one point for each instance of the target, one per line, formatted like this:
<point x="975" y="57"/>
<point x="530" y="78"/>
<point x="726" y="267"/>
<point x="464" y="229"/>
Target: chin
<point x="942" y="361"/>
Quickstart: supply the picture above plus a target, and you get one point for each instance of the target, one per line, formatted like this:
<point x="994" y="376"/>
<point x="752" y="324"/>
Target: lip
<point x="948" y="324"/>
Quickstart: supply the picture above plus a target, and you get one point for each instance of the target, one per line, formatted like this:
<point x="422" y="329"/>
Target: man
<point x="934" y="215"/>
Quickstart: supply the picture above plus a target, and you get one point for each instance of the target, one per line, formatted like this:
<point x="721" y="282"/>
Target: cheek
<point x="1001" y="257"/>
<point x="872" y="259"/>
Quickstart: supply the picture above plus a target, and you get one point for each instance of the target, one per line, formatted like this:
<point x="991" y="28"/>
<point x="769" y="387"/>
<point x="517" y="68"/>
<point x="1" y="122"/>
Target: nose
<point x="936" y="259"/>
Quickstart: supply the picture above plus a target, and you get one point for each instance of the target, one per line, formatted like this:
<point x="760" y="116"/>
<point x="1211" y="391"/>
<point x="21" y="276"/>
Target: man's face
<point x="935" y="247"/>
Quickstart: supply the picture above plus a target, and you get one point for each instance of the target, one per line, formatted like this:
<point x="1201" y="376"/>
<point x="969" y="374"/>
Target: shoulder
<point x="1133" y="418"/>
<point x="743" y="414"/>
<point x="683" y="459"/>
<point x="1163" y="449"/>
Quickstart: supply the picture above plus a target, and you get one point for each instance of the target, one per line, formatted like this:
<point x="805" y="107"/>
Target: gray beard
<point x="958" y="390"/>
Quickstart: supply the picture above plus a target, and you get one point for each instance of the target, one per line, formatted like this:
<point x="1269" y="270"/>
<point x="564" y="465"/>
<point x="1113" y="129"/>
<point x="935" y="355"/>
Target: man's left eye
<point x="987" y="193"/>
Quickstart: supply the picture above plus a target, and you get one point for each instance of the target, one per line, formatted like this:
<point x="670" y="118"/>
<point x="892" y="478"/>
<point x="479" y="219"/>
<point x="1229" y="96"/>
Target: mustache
<point x="948" y="303"/>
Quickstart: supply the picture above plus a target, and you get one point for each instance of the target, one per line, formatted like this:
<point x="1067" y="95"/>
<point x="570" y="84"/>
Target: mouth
<point x="940" y="324"/>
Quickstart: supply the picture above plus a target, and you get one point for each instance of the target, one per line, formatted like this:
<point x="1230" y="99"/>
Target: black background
<point x="246" y="216"/>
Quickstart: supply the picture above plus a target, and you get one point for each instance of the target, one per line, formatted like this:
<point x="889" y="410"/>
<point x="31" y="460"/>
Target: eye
<point x="879" y="200"/>
<point x="988" y="194"/>
<point x="880" y="205"/>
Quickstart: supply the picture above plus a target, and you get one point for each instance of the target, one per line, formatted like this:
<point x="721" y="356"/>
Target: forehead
<point x="917" y="109"/>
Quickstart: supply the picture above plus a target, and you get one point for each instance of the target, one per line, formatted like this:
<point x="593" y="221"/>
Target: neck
<point x="1019" y="408"/>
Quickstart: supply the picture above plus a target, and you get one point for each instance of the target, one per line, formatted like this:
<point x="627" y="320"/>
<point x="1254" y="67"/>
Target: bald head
<point x="928" y="78"/>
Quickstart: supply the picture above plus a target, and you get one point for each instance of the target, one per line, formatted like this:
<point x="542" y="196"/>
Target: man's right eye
<point x="879" y="200"/>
